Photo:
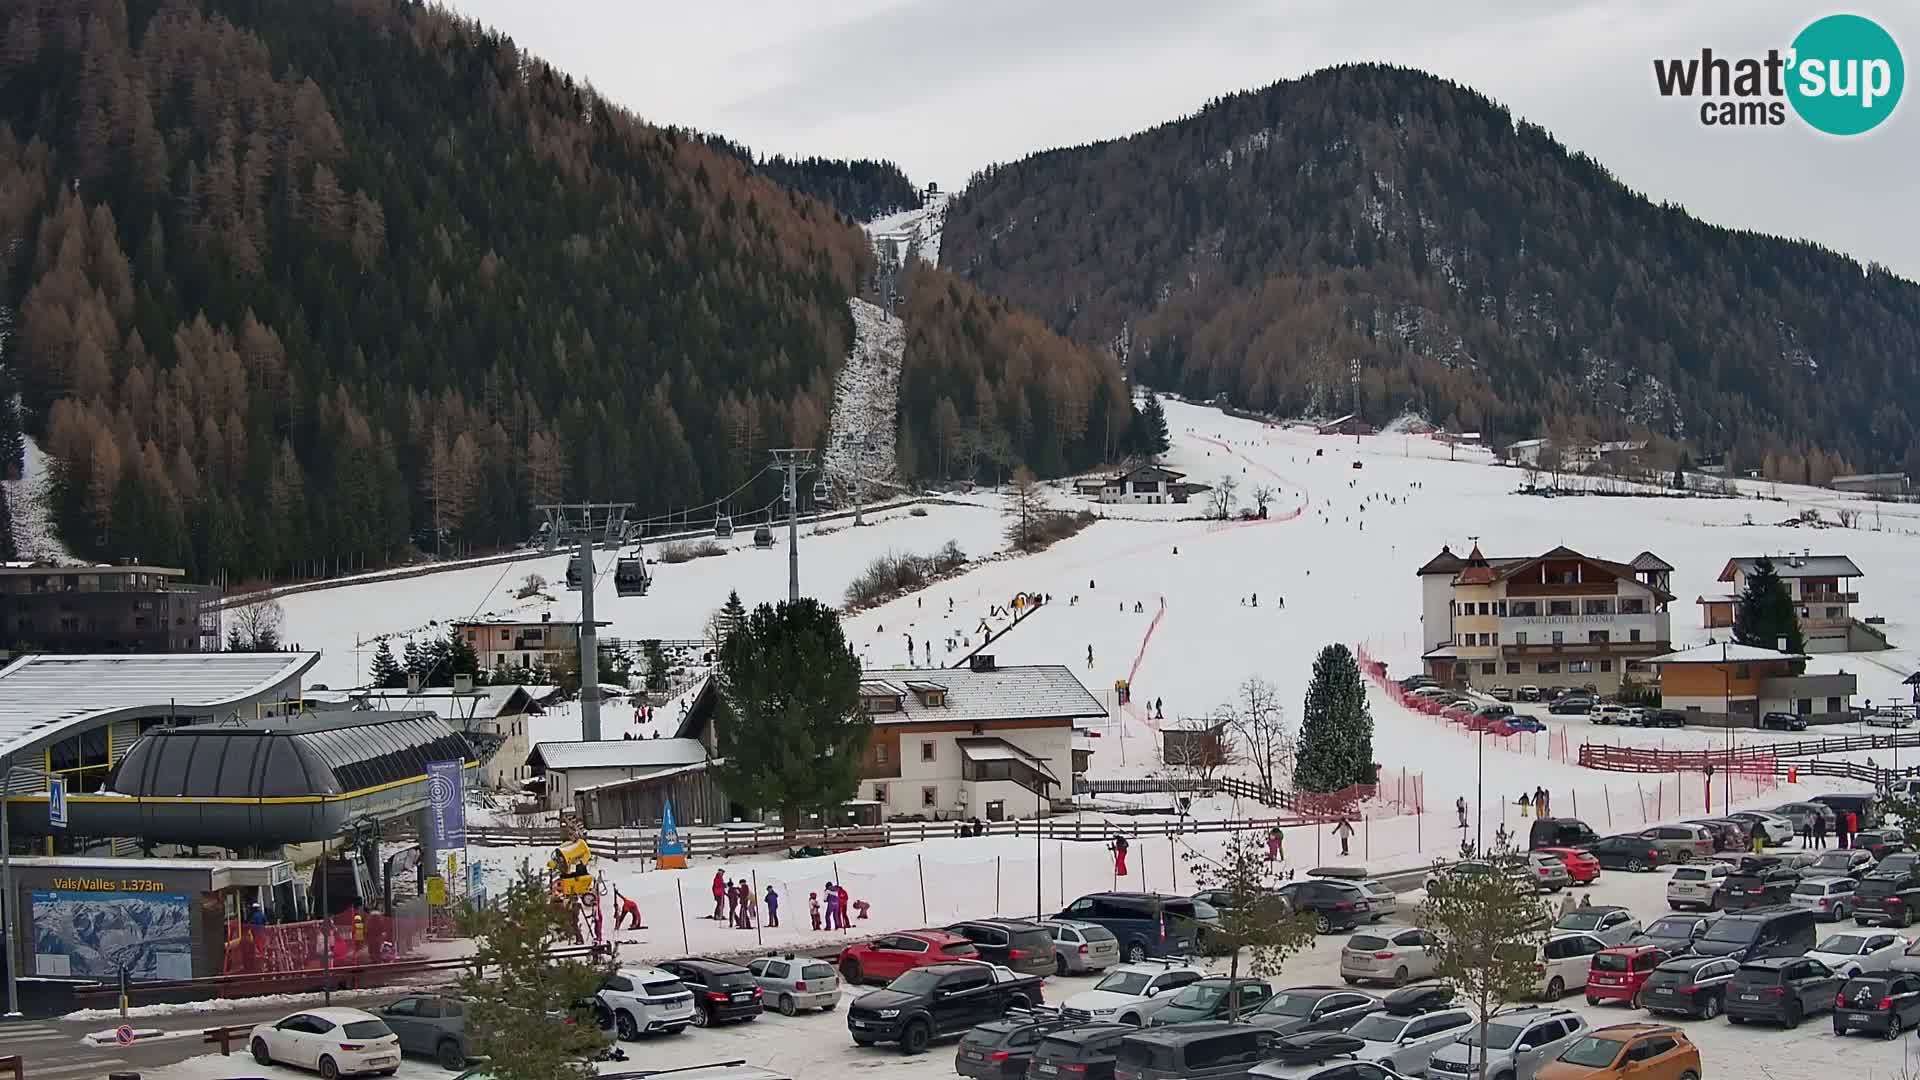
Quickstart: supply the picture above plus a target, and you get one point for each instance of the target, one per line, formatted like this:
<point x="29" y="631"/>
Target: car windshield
<point x="1592" y="1052"/>
<point x="366" y="1029"/>
<point x="1291" y="1004"/>
<point x="1835" y="860"/>
<point x="1580" y="920"/>
<point x="1125" y="982"/>
<point x="1200" y="995"/>
<point x="817" y="971"/>
<point x="1380" y="1027"/>
<point x="1810" y="888"/>
<point x="1675" y="928"/>
<point x="1612" y="961"/>
<point x="1499" y="1036"/>
<point x="1097" y="933"/>
<point x="1873" y="885"/>
<point x="915" y="982"/>
<point x="1732" y="931"/>
<point x="1897" y="864"/>
<point x="1842" y="944"/>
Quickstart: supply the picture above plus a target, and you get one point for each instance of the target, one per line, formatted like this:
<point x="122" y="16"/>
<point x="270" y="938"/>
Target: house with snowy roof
<point x="1726" y="683"/>
<point x="1560" y="618"/>
<point x="977" y="741"/>
<point x="1147" y="483"/>
<point x="1823" y="593"/>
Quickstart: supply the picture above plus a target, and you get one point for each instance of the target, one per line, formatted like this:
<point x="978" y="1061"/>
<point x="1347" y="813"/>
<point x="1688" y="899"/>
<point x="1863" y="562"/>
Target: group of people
<point x="1813" y="829"/>
<point x="1539" y="804"/>
<point x="741" y="905"/>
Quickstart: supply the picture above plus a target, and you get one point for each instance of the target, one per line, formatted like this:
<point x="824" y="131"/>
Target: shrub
<point x="898" y="573"/>
<point x="918" y="511"/>
<point x="679" y="551"/>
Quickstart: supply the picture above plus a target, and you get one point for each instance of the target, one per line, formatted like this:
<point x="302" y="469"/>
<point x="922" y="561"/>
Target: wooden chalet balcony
<point x="1829" y="597"/>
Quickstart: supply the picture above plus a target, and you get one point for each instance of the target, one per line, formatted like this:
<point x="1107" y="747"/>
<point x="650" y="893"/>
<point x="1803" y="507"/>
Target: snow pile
<point x="866" y="403"/>
<point x="916" y="231"/>
<point x="28" y="499"/>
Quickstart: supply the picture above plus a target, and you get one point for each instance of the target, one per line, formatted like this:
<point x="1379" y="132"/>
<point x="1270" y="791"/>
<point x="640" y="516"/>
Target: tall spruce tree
<point x="461" y="659"/>
<point x="790" y="730"/>
<point x="1153" y="438"/>
<point x="386" y="672"/>
<point x="1765" y="615"/>
<point x="1336" y="728"/>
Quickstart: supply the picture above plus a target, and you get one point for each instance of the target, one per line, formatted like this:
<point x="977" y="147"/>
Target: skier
<point x="719" y="892"/>
<point x="1344" y="831"/>
<point x="624" y="909"/>
<point x="1119" y="848"/>
<point x="1525" y="802"/>
<point x="1256" y="599"/>
<point x="1460" y="809"/>
<point x="1276" y="845"/>
<point x="843" y="906"/>
<point x="1567" y="904"/>
<point x="833" y="906"/>
<point x="909" y="652"/>
<point x="1137" y="609"/>
<point x="1176" y="549"/>
<point x="733" y="905"/>
<point x="1806" y="832"/>
<point x="1819" y="830"/>
<point x="773" y="907"/>
<point x="813" y="908"/>
<point x="1158" y="714"/>
<point x="1089" y="657"/>
<point x="748" y="904"/>
<point x="1539" y="802"/>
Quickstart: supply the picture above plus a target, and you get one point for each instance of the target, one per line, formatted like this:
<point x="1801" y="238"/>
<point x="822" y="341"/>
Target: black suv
<point x="1000" y="1049"/>
<point x="1783" y="989"/>
<point x="1085" y="1052"/>
<point x="721" y="991"/>
<point x="1337" y="906"/>
<point x="1883" y="899"/>
<point x="1759" y="887"/>
<point x="1783" y="721"/>
<point x="1577" y="704"/>
<point x="1663" y="718"/>
<point x="1561" y="832"/>
<point x="1023" y="946"/>
<point x="1299" y="1009"/>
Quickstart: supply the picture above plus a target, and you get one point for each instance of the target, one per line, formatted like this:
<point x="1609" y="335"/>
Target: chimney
<point x="413" y="682"/>
<point x="982" y="662"/>
<point x="463" y="684"/>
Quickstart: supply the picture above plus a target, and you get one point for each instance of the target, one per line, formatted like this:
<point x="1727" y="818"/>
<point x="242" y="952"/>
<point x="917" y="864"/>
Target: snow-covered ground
<point x="29" y="501"/>
<point x="866" y="402"/>
<point x="917" y="231"/>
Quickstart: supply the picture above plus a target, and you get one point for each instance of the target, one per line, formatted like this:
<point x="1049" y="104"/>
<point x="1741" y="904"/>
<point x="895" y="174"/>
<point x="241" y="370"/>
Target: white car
<point x="1404" y="1043"/>
<point x="1130" y="993"/>
<point x="1608" y="714"/>
<point x="1849" y="952"/>
<point x="1697" y="885"/>
<point x="1561" y="964"/>
<point x="1829" y="898"/>
<point x="1395" y="954"/>
<point x="640" y="1001"/>
<point x="1613" y="925"/>
<point x="1775" y="829"/>
<point x="332" y="1042"/>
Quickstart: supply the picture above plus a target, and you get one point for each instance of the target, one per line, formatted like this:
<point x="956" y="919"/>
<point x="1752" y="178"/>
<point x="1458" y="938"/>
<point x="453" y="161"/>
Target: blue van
<point x="1146" y="924"/>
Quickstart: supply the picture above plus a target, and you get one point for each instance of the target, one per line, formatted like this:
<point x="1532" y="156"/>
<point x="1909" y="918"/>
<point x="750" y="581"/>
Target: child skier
<point x="813" y="908"/>
<point x="773" y="907"/>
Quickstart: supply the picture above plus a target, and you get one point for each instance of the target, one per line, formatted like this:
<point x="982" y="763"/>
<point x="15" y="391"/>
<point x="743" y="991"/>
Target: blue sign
<point x="670" y="842"/>
<point x="57" y="803"/>
<point x="446" y="805"/>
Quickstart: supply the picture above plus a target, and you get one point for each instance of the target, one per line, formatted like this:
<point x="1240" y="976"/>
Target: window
<point x="927" y="749"/>
<point x="879" y="793"/>
<point x="1633" y="635"/>
<point x="1496" y="638"/>
<point x="1559" y="637"/>
<point x="1549" y="667"/>
<point x="880" y="752"/>
<point x="1500" y="608"/>
<point x="1486" y="639"/>
<point x="1633" y="605"/>
<point x="1833" y="704"/>
<point x="1599" y="637"/>
<point x="1803" y="706"/>
<point x="1520" y="637"/>
<point x="1513" y="667"/>
<point x="1598" y="606"/>
<point x="1743" y="671"/>
<point x="1485" y="608"/>
<point x="1525" y="609"/>
<point x="1487" y="669"/>
<point x="1559" y="607"/>
<point x="930" y="796"/>
<point x="1606" y="665"/>
<point x="1579" y="667"/>
<point x="1833" y="613"/>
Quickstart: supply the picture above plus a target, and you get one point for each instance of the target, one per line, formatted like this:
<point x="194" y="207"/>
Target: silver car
<point x="1613" y="925"/>
<point x="1394" y="954"/>
<point x="1081" y="946"/>
<point x="1681" y="843"/>
<point x="1519" y="1041"/>
<point x="1404" y="1043"/>
<point x="1549" y="872"/>
<point x="1829" y="898"/>
<point x="791" y="983"/>
<point x="1697" y="886"/>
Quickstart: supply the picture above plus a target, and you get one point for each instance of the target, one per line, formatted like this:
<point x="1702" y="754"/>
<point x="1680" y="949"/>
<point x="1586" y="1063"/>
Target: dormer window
<point x="932" y="695"/>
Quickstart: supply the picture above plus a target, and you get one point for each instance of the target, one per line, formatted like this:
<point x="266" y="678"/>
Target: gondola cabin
<point x="763" y="537"/>
<point x="576" y="574"/>
<point x="822" y="491"/>
<point x="722" y="526"/>
<point x="630" y="577"/>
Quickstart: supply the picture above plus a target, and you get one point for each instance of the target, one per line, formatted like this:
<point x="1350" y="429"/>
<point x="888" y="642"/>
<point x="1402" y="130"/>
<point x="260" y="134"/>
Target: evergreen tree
<point x="413" y="661"/>
<point x="385" y="672"/>
<point x="1153" y="439"/>
<point x="513" y="984"/>
<point x="657" y="662"/>
<point x="1336" y="728"/>
<point x="461" y="659"/>
<point x="790" y="729"/>
<point x="1765" y="615"/>
<point x="728" y="618"/>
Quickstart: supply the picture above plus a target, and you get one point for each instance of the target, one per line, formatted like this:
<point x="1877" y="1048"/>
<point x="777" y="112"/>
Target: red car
<point x="1458" y="712"/>
<point x="1582" y="867"/>
<point x="887" y="957"/>
<point x="1618" y="974"/>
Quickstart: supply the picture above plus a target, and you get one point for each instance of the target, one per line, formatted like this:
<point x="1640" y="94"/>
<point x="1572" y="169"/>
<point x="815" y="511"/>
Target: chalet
<point x="1727" y="684"/>
<point x="1886" y="483"/>
<point x="1350" y="424"/>
<point x="571" y="767"/>
<point x="1823" y="594"/>
<point x="1145" y="484"/>
<point x="980" y="741"/>
<point x="522" y="643"/>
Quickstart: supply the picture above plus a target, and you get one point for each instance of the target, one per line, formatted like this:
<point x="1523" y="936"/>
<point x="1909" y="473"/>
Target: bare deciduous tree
<point x="1222" y="497"/>
<point x="1193" y="752"/>
<point x="1258" y="722"/>
<point x="1026" y="510"/>
<point x="1262" y="495"/>
<point x="255" y="627"/>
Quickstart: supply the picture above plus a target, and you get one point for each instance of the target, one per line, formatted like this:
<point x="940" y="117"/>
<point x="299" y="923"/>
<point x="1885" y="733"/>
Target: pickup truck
<point x="939" y="999"/>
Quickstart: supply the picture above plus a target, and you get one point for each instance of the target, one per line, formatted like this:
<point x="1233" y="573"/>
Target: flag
<point x="446" y="804"/>
<point x="672" y="853"/>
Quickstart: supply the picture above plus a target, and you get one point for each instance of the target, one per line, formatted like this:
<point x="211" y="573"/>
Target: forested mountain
<point x="862" y="189"/>
<point x="1471" y="266"/>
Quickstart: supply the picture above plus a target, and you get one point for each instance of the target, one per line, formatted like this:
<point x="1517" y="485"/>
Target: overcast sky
<point x="944" y="87"/>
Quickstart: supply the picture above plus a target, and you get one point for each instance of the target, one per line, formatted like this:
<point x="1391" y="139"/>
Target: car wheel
<point x="915" y="1038"/>
<point x="261" y="1056"/>
<point x="1793" y="1017"/>
<point x="1906" y="918"/>
<point x="1059" y="965"/>
<point x="831" y="1005"/>
<point x="1322" y="924"/>
<point x="786" y="1005"/>
<point x="701" y="1018"/>
<point x="1839" y="1029"/>
<point x="329" y="1069"/>
<point x="1689" y="1075"/>
<point x="1130" y="1019"/>
<point x="1556" y="988"/>
<point x="1893" y="1029"/>
<point x="1684" y="856"/>
<point x="1839" y="912"/>
<point x="1635" y="865"/>
<point x="850" y="971"/>
<point x="1858" y="921"/>
<point x="1710" y="1009"/>
<point x="1137" y="952"/>
<point x="1351" y="981"/>
<point x="627" y="1027"/>
<point x="449" y="1055"/>
<point x="1592" y="1001"/>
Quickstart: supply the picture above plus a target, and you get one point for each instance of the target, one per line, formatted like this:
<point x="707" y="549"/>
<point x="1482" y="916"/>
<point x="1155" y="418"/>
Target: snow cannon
<point x="571" y="855"/>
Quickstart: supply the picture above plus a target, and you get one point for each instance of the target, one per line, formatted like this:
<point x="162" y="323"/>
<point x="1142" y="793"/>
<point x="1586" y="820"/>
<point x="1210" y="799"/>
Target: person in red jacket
<point x="719" y="893"/>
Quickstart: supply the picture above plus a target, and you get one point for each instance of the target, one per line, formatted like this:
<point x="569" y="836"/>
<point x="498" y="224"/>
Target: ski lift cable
<point x="714" y="505"/>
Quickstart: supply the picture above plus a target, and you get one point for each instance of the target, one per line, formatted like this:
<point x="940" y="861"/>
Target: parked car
<point x="1336" y="905"/>
<point x="1501" y="693"/>
<point x="1675" y="933"/>
<point x="1783" y="721"/>
<point x="1570" y="704"/>
<point x="1610" y="923"/>
<point x="432" y="1025"/>
<point x="1774" y="829"/>
<point x="1689" y="986"/>
<point x="1298" y="1009"/>
<point x="1883" y="1004"/>
<point x="1608" y="713"/>
<point x="1395" y="954"/>
<point x="1130" y="993"/>
<point x="1829" y="898"/>
<point x="1206" y="1051"/>
<point x="1518" y="1042"/>
<point x="1865" y="807"/>
<point x="1382" y="901"/>
<point x="891" y="955"/>
<point x="1879" y="843"/>
<point x="1617" y="974"/>
<point x="1841" y="862"/>
<point x="1898" y="864"/>
<point x="1415" y="682"/>
<point x="636" y="1001"/>
<point x="1023" y="946"/>
<point x="1146" y="924"/>
<point x="1561" y="963"/>
<point x="1001" y="1049"/>
<point x="1885" y="898"/>
<point x="1781" y="989"/>
<point x="1850" y="952"/>
<point x="1802" y="814"/>
<point x="1728" y="834"/>
<point x="1404" y="1042"/>
<point x="1081" y="947"/>
<point x="1639" y="1051"/>
<point x="332" y="1041"/>
<point x="1549" y="872"/>
<point x="1529" y="693"/>
<point x="1697" y="886"/>
<point x="1681" y="843"/>
<point x="1761" y="932"/>
<point x="1525" y="722"/>
<point x="1627" y="853"/>
<point x="721" y="991"/>
<point x="791" y="983"/>
<point x="1666" y="718"/>
<point x="1438" y="879"/>
<point x="1755" y="888"/>
<point x="1213" y="998"/>
<point x="936" y="1000"/>
<point x="1082" y="1052"/>
<point x="1560" y="832"/>
<point x="1582" y="867"/>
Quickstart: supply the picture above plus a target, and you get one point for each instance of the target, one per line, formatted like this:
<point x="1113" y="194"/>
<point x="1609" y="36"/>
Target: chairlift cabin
<point x="576" y="574"/>
<point x="630" y="577"/>
<point x="763" y="537"/>
<point x="722" y="526"/>
<point x="822" y="491"/>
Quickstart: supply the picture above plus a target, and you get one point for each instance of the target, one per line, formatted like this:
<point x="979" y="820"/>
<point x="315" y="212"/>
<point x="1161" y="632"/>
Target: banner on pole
<point x="672" y="852"/>
<point x="446" y="805"/>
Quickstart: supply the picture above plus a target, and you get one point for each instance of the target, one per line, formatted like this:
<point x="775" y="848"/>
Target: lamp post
<point x="1479" y="796"/>
<point x="1726" y="707"/>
